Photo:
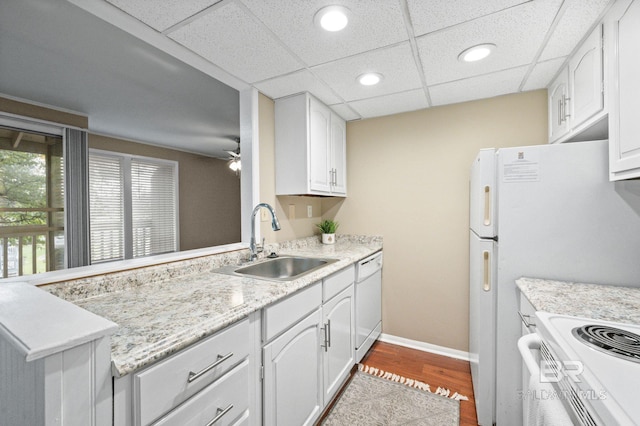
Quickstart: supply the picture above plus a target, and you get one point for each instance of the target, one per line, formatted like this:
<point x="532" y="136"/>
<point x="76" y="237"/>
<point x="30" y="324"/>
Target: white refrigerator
<point x="544" y="211"/>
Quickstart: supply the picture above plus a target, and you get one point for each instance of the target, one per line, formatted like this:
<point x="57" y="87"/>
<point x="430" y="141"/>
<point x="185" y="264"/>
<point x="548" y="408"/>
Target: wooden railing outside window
<point x="26" y="250"/>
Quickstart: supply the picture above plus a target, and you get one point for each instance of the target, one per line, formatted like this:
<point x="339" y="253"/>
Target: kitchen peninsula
<point x="164" y="309"/>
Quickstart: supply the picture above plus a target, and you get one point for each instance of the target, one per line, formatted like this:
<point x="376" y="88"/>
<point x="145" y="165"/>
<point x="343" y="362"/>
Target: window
<point x="31" y="202"/>
<point x="133" y="206"/>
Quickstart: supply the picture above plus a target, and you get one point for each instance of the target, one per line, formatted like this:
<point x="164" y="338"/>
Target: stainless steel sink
<point x="283" y="268"/>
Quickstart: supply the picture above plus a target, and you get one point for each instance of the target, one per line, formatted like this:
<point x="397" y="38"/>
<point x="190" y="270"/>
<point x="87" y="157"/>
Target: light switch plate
<point x="292" y="211"/>
<point x="309" y="211"/>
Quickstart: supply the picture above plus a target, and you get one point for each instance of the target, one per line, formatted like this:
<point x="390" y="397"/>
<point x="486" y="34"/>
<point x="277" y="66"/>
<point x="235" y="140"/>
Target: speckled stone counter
<point x="165" y="308"/>
<point x="610" y="303"/>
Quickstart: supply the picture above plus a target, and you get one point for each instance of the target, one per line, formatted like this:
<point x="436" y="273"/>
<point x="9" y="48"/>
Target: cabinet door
<point x="293" y="375"/>
<point x="558" y="93"/>
<point x="338" y="327"/>
<point x="586" y="79"/>
<point x="624" y="126"/>
<point x="338" y="155"/>
<point x="319" y="156"/>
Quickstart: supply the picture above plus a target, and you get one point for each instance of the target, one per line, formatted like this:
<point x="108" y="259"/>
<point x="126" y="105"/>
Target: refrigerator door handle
<point x="486" y="276"/>
<point x="487" y="205"/>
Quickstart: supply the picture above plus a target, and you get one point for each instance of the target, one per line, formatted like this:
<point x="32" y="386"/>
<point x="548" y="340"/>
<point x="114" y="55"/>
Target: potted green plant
<point x="328" y="228"/>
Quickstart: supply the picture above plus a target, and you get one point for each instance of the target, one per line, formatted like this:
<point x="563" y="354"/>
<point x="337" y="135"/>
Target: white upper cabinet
<point x="310" y="148"/>
<point x="576" y="96"/>
<point x="624" y="96"/>
<point x="339" y="154"/>
<point x="558" y="95"/>
<point x="586" y="80"/>
<point x="319" y="137"/>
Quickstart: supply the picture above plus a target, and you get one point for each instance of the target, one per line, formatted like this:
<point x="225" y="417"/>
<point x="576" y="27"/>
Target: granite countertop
<point x="595" y="301"/>
<point x="156" y="319"/>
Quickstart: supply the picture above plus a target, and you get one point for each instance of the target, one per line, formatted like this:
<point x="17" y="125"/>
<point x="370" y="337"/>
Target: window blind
<point x="106" y="204"/>
<point x="134" y="206"/>
<point x="153" y="207"/>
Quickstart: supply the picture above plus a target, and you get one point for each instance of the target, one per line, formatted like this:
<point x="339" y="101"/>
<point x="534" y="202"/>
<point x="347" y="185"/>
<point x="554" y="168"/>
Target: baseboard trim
<point x="425" y="347"/>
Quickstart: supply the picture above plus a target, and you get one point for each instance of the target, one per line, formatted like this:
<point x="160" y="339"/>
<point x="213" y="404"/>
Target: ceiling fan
<point x="234" y="158"/>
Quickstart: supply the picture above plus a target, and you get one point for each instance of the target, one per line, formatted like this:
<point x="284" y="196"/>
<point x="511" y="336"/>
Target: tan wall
<point x="299" y="225"/>
<point x="42" y="113"/>
<point x="209" y="192"/>
<point x="408" y="181"/>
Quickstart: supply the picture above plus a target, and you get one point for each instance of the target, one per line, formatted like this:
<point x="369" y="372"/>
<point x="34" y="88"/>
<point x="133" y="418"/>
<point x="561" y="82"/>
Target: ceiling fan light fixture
<point x="235" y="165"/>
<point x="332" y="18"/>
<point x="476" y="53"/>
<point x="370" y="78"/>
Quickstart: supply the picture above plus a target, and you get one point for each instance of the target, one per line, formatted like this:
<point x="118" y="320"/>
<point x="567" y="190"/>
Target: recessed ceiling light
<point x="369" y="78"/>
<point x="476" y="53"/>
<point x="332" y="18"/>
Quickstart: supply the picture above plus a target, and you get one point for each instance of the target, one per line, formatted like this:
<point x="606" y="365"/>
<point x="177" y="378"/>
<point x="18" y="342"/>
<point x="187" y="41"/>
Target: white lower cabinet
<point x="339" y="326"/>
<point x="217" y="379"/>
<point x="292" y="389"/>
<point x="307" y="364"/>
<point x="224" y="402"/>
<point x="306" y="342"/>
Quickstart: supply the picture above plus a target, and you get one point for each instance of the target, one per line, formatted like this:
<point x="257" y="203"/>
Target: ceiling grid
<point x="275" y="46"/>
<point x="171" y="57"/>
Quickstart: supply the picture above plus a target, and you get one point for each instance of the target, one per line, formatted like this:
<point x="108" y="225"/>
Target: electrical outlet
<point x="309" y="211"/>
<point x="292" y="211"/>
<point x="264" y="215"/>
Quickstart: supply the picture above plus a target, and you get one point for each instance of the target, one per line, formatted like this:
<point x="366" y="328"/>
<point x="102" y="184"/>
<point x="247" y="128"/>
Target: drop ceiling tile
<point x="395" y="63"/>
<point x="372" y="24"/>
<point x="231" y="39"/>
<point x="485" y="86"/>
<point x="542" y="74"/>
<point x="429" y="16"/>
<point x="347" y="113"/>
<point x="391" y="104"/>
<point x="517" y="33"/>
<point x="161" y="14"/>
<point x="579" y="16"/>
<point x="299" y="81"/>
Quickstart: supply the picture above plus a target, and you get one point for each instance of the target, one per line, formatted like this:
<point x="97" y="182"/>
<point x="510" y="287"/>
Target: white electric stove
<point x="596" y="365"/>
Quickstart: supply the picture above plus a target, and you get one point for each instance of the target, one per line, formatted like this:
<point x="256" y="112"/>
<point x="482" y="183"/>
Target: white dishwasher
<point x="368" y="303"/>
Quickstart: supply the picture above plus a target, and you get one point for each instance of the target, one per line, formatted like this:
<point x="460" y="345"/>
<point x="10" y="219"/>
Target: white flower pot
<point x="328" y="238"/>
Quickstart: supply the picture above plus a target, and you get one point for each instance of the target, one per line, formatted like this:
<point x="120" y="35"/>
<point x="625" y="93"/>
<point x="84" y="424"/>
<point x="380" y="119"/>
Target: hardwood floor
<point x="436" y="370"/>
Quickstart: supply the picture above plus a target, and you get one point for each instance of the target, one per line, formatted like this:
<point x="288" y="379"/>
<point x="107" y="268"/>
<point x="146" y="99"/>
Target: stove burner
<point x="619" y="343"/>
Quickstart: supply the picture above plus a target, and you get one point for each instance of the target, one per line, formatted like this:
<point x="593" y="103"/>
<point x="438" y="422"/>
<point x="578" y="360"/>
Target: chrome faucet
<point x="275" y="225"/>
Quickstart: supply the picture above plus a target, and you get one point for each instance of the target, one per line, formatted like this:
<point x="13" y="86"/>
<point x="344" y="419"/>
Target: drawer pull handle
<point x="525" y="320"/>
<point x="193" y="376"/>
<point x="219" y="413"/>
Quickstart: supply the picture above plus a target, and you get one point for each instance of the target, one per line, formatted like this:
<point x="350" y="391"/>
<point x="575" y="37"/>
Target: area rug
<point x="374" y="397"/>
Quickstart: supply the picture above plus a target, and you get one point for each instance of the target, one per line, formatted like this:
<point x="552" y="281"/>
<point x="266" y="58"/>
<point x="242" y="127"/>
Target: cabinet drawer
<point x="337" y="282"/>
<point x="165" y="385"/>
<point x="280" y="316"/>
<point x="227" y="397"/>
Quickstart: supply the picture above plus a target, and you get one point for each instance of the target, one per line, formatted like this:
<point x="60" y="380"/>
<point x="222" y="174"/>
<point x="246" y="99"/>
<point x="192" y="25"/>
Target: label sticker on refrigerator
<point x="521" y="166"/>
